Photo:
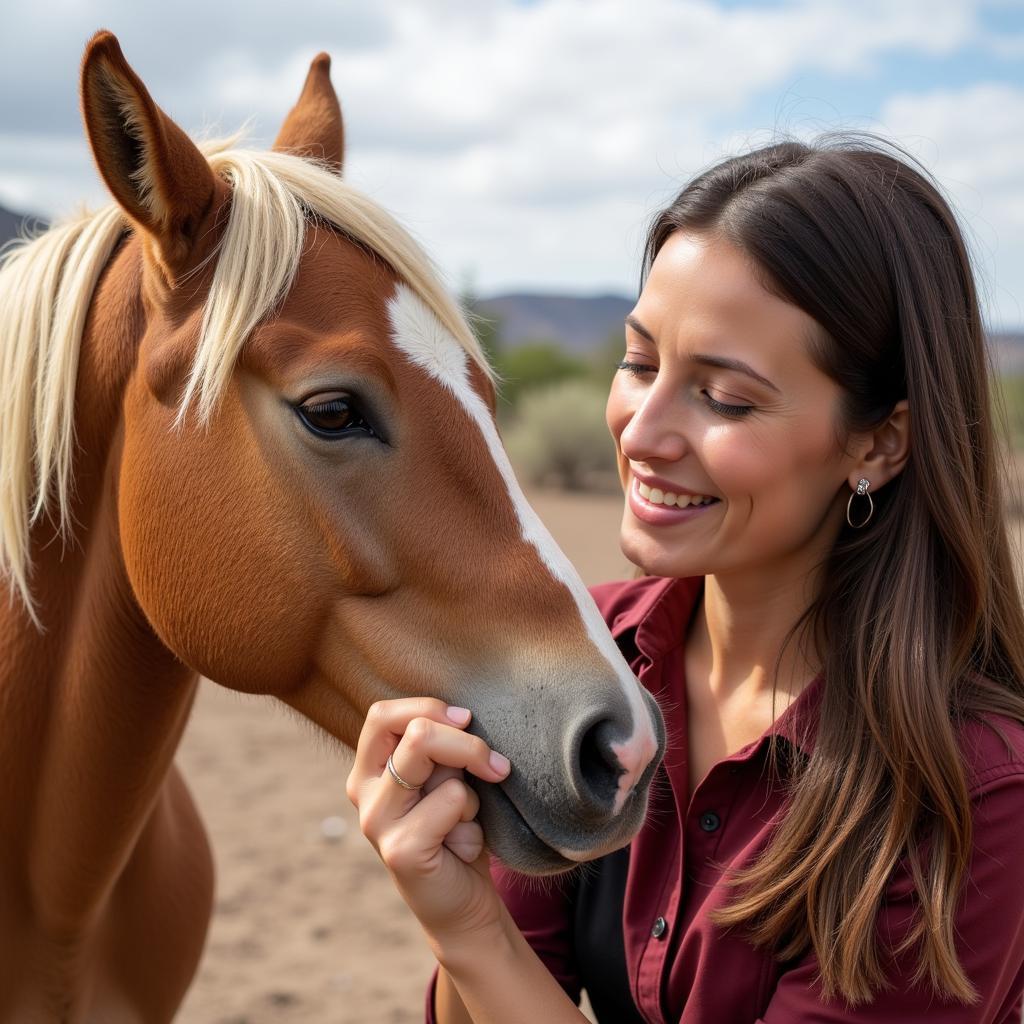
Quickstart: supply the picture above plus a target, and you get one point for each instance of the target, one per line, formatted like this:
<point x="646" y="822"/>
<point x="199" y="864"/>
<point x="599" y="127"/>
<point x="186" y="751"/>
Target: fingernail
<point x="460" y="716"/>
<point x="499" y="763"/>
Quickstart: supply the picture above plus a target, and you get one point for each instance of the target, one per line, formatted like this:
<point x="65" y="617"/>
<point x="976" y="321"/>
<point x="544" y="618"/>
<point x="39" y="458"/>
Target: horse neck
<point x="94" y="704"/>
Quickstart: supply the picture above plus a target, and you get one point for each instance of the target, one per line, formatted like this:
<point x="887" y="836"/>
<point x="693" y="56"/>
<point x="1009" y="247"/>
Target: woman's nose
<point x="656" y="430"/>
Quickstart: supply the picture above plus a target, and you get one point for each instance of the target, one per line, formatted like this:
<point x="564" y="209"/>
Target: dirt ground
<point x="306" y="926"/>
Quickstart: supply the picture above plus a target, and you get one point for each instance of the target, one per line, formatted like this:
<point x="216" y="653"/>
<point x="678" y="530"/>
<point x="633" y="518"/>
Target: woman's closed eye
<point x="734" y="411"/>
<point x="722" y="408"/>
<point x="635" y="369"/>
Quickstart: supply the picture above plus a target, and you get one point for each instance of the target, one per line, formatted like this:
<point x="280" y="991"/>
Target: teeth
<point x="656" y="496"/>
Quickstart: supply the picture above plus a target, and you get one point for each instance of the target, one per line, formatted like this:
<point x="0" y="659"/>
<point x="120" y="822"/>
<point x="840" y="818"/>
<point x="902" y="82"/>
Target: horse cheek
<point x="211" y="555"/>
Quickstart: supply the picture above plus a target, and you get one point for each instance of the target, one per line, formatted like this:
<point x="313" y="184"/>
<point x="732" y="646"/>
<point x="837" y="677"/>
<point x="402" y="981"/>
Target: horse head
<point x="312" y="498"/>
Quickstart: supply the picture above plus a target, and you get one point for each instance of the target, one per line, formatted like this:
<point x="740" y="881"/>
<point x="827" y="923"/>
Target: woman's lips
<point x="662" y="515"/>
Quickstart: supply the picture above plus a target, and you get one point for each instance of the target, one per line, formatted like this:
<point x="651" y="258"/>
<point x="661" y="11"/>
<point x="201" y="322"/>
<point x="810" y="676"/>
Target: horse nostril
<point x="598" y="766"/>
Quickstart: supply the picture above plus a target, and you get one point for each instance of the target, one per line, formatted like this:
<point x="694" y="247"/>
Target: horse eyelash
<point x="326" y="406"/>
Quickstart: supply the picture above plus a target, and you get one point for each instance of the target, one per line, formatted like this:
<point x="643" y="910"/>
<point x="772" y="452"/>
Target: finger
<point x="472" y="808"/>
<point x="413" y="841"/>
<point x="442" y="773"/>
<point x="466" y="841"/>
<point x="385" y="723"/>
<point x="381" y="806"/>
<point x="427" y="744"/>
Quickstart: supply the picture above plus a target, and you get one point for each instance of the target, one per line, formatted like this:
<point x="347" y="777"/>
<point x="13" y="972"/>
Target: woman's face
<point x="719" y="398"/>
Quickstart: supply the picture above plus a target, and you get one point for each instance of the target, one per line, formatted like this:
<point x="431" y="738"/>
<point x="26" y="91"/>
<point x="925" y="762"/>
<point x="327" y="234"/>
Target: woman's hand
<point x="428" y="837"/>
<point x="434" y="849"/>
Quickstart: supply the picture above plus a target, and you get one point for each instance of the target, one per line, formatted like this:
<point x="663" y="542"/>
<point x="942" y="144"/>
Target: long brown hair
<point x="920" y="609"/>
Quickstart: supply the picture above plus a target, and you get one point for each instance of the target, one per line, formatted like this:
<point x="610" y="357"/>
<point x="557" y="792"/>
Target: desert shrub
<point x="603" y="359"/>
<point x="535" y="365"/>
<point x="560" y="436"/>
<point x="1012" y="388"/>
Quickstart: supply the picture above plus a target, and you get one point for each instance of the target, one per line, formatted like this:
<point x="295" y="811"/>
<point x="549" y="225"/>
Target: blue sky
<point x="526" y="144"/>
<point x="905" y="70"/>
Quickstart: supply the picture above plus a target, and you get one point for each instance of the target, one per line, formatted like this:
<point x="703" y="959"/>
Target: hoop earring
<point x="862" y="488"/>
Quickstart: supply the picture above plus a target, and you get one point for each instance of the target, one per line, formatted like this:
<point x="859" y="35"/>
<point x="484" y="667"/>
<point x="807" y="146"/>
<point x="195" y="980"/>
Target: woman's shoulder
<point x="993" y="750"/>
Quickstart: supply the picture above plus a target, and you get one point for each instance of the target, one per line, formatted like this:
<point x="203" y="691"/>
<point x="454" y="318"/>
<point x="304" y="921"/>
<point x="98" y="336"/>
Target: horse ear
<point x="154" y="170"/>
<point x="314" y="127"/>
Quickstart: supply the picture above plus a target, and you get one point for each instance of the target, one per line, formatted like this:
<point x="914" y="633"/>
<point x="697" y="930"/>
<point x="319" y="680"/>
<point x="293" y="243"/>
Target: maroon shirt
<point x="635" y="929"/>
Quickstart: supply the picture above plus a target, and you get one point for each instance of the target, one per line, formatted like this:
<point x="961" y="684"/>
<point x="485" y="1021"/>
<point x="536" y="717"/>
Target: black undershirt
<point x="599" y="941"/>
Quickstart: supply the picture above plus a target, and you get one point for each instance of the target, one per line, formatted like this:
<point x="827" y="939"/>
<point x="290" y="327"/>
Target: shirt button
<point x="709" y="821"/>
<point x="659" y="928"/>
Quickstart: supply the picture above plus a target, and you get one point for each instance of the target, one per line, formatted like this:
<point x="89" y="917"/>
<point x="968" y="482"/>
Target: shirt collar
<point x="659" y="619"/>
<point x="798" y="723"/>
<point x="659" y="615"/>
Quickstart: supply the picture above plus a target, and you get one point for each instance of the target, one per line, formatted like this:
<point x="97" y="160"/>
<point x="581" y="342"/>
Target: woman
<point x="833" y="629"/>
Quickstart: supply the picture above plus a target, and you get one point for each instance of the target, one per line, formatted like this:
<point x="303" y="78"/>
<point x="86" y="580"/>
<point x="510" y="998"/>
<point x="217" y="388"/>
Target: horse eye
<point x="335" y="417"/>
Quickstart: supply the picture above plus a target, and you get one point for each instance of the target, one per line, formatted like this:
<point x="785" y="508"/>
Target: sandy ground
<point x="306" y="925"/>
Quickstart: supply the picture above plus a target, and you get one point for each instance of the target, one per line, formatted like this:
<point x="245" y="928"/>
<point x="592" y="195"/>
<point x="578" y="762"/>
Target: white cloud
<point x="47" y="175"/>
<point x="973" y="141"/>
<point x="524" y="141"/>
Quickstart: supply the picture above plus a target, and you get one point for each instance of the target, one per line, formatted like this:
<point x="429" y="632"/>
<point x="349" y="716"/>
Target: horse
<point x="247" y="434"/>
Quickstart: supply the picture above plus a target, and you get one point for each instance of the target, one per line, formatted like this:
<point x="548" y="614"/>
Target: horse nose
<point x="608" y="758"/>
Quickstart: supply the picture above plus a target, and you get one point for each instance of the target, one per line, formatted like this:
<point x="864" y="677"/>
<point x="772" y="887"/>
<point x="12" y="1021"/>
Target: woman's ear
<point x="154" y="170"/>
<point x="886" y="449"/>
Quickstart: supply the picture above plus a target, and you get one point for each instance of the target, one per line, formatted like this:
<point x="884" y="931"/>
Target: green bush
<point x="603" y="360"/>
<point x="538" y="364"/>
<point x="1012" y="389"/>
<point x="560" y="436"/>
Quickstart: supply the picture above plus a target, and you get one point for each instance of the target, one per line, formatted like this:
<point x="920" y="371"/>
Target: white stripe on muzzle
<point x="420" y="335"/>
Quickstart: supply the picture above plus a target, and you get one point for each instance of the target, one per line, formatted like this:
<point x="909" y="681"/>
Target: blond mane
<point x="47" y="284"/>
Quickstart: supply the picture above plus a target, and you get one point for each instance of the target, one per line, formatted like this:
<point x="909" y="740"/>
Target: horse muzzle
<point x="574" y="793"/>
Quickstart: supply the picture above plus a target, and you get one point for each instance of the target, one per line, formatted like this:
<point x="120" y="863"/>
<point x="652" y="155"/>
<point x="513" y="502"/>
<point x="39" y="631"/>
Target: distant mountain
<point x="1008" y="350"/>
<point x="582" y="323"/>
<point x="577" y="323"/>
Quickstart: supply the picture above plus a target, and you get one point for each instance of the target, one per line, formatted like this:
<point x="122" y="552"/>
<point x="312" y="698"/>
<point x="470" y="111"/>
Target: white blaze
<point x="422" y="337"/>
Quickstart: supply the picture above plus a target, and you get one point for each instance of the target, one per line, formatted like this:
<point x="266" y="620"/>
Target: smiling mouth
<point x="657" y="496"/>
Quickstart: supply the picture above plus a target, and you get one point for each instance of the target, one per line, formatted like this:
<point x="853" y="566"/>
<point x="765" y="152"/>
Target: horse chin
<point x="521" y="847"/>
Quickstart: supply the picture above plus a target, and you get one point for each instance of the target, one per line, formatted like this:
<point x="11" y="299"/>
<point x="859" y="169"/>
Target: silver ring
<point x="398" y="778"/>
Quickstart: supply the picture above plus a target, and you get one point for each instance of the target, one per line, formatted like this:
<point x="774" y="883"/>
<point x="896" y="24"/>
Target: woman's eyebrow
<point x="706" y="360"/>
<point x="631" y="321"/>
<point x="732" y="364"/>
